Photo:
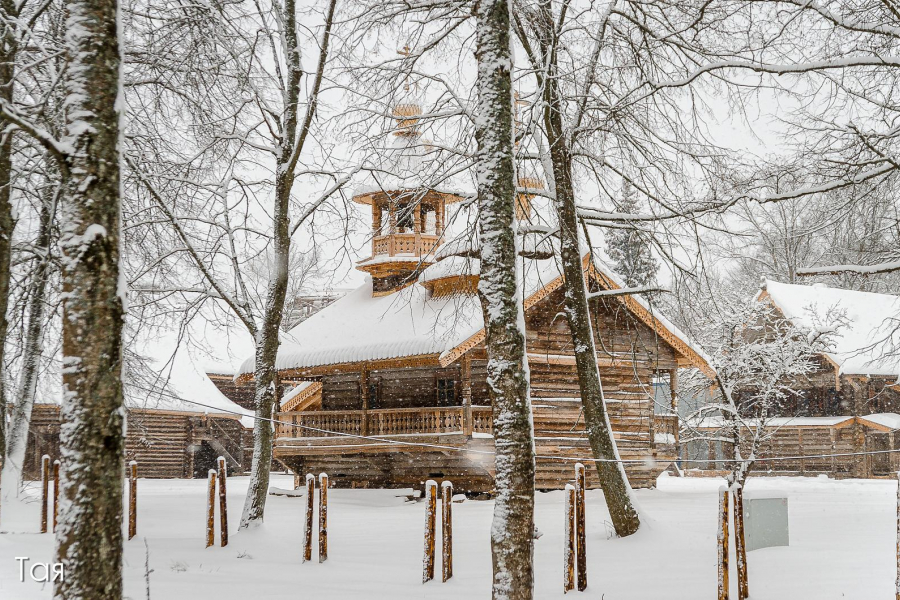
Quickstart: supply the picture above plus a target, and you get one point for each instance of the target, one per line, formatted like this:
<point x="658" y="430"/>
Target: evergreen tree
<point x="629" y="248"/>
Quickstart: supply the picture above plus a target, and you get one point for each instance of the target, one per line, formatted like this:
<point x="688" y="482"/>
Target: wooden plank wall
<point x="159" y="440"/>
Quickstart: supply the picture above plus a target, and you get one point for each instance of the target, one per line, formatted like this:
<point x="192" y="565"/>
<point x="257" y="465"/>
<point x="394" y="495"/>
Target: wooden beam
<point x="364" y="397"/>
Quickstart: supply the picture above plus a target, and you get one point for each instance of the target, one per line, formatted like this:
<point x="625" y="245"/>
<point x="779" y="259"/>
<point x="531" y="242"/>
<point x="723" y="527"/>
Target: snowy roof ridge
<point x="859" y="323"/>
<point x="361" y="327"/>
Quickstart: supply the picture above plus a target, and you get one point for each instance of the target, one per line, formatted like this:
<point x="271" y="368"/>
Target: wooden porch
<point x="405" y="446"/>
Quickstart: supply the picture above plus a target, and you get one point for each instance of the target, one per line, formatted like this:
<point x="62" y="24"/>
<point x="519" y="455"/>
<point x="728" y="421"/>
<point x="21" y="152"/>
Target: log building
<point x="848" y="406"/>
<point x="399" y="364"/>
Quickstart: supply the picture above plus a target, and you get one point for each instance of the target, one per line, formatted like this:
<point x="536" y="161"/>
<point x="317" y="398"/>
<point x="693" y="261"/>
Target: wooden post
<point x="723" y="544"/>
<point x="55" y="493"/>
<point x="223" y="502"/>
<point x="569" y="544"/>
<point x="580" y="534"/>
<point x="897" y="582"/>
<point x="465" y="367"/>
<point x="430" y="509"/>
<point x="132" y="499"/>
<point x="739" y="546"/>
<point x="307" y="536"/>
<point x="211" y="508"/>
<point x="323" y="517"/>
<point x="446" y="530"/>
<point x="364" y="398"/>
<point x="45" y="487"/>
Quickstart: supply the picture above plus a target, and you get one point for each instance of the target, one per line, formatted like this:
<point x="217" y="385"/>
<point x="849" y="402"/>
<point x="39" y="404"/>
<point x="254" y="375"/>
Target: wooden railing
<point x="392" y="421"/>
<point x="417" y="244"/>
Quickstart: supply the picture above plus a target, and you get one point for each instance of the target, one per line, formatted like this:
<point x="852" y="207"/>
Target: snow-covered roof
<point x="718" y="422"/>
<point x="886" y="420"/>
<point x="299" y="393"/>
<point x="360" y="327"/>
<point x="402" y="165"/>
<point x="862" y="323"/>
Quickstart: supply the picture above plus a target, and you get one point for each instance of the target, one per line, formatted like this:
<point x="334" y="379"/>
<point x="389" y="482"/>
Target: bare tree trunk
<point x="512" y="530"/>
<point x="89" y="536"/>
<point x="610" y="471"/>
<point x="8" y="50"/>
<point x="17" y="438"/>
<point x="267" y="338"/>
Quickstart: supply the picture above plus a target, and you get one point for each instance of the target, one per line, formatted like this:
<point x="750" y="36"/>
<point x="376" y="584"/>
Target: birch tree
<point x="228" y="200"/>
<point x="89" y="535"/>
<point x="504" y="321"/>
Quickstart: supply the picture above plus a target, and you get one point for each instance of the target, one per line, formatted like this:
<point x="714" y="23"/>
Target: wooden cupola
<point x="408" y="220"/>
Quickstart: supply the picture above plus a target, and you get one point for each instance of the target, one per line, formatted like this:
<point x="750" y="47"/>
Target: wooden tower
<point x="408" y="220"/>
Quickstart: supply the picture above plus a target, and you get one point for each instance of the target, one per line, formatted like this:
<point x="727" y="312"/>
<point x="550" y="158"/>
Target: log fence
<point x="132" y="499"/>
<point x="45" y="491"/>
<point x="569" y="540"/>
<point x="223" y="502"/>
<point x="430" y="520"/>
<point x="307" y="534"/>
<point x="211" y="509"/>
<point x="446" y="530"/>
<point x="323" y="517"/>
<point x="722" y="538"/>
<point x="740" y="547"/>
<point x="580" y="534"/>
<point x="55" y="493"/>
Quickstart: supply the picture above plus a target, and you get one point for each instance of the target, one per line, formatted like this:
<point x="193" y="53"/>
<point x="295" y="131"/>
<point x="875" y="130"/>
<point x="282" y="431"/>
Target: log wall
<point x="166" y="444"/>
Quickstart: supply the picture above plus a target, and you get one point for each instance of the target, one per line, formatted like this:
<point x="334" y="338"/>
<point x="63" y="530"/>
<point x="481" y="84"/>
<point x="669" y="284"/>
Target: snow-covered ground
<point x="842" y="546"/>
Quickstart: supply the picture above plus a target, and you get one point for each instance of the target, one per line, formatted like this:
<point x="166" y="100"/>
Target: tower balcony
<point x="415" y="244"/>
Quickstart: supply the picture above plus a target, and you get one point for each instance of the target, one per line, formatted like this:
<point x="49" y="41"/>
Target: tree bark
<point x="8" y="51"/>
<point x="89" y="536"/>
<point x="512" y="530"/>
<point x="20" y="424"/>
<point x="610" y="471"/>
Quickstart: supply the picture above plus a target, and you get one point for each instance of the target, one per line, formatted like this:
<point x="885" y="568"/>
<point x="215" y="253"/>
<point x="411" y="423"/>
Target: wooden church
<point x="398" y="365"/>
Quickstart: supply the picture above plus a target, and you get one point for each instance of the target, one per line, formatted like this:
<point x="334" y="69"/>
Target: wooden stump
<point x="722" y="537"/>
<point x="45" y="493"/>
<point x="430" y="517"/>
<point x="211" y="509"/>
<point x="307" y="535"/>
<point x="223" y="502"/>
<point x="323" y="517"/>
<point x="132" y="499"/>
<point x="580" y="534"/>
<point x="569" y="540"/>
<point x="55" y="493"/>
<point x="739" y="545"/>
<point x="446" y="530"/>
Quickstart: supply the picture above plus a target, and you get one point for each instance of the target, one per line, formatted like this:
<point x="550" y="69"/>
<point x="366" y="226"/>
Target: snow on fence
<point x="223" y="502"/>
<point x="45" y="493"/>
<point x="132" y="499"/>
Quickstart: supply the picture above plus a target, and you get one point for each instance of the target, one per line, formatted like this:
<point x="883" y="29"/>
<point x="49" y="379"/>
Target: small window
<point x="374" y="393"/>
<point x="446" y="392"/>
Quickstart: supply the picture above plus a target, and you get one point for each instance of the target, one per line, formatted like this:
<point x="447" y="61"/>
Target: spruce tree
<point x="629" y="248"/>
